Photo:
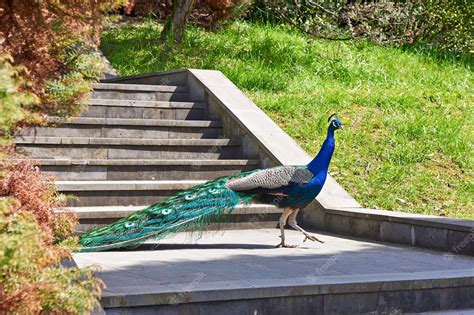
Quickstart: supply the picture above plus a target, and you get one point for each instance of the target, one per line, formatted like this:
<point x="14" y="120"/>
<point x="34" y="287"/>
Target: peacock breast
<point x="302" y="195"/>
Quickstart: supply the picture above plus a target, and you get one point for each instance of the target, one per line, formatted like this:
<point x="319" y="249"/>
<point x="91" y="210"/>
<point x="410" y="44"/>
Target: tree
<point x="173" y="30"/>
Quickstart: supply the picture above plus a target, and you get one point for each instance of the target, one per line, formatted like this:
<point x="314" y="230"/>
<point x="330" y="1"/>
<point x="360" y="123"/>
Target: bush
<point x="33" y="237"/>
<point x="43" y="36"/>
<point x="35" y="192"/>
<point x="446" y="25"/>
<point x="31" y="280"/>
<point x="317" y="18"/>
<point x="384" y="22"/>
<point x="33" y="241"/>
<point x="15" y="105"/>
<point x="63" y="94"/>
<point x="54" y="62"/>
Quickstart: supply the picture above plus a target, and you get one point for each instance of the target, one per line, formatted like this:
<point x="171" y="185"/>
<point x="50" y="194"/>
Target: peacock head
<point x="335" y="123"/>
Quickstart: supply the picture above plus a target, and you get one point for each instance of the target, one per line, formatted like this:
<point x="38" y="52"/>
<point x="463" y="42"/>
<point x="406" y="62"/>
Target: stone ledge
<point x="175" y="77"/>
<point x="326" y="285"/>
<point x="137" y="122"/>
<point x="404" y="217"/>
<point x="454" y="236"/>
<point x="135" y="162"/>
<point x="123" y="185"/>
<point x="31" y="140"/>
<point x="279" y="147"/>
<point x="153" y="104"/>
<point x="138" y="87"/>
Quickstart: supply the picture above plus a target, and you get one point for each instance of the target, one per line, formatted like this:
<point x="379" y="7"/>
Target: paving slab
<point x="246" y="264"/>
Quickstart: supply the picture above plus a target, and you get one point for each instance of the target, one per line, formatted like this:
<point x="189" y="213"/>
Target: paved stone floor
<point x="248" y="258"/>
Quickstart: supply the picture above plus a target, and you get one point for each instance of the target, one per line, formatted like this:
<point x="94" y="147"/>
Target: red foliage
<point x="36" y="34"/>
<point x="207" y="13"/>
<point x="36" y="193"/>
<point x="30" y="280"/>
<point x="27" y="30"/>
<point x="31" y="293"/>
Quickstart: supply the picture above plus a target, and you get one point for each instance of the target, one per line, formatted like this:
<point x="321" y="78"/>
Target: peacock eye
<point x="166" y="211"/>
<point x="129" y="225"/>
<point x="190" y="197"/>
<point x="334" y="123"/>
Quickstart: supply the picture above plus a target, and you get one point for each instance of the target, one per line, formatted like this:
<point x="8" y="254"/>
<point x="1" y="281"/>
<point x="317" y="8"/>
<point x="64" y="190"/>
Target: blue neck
<point x="321" y="162"/>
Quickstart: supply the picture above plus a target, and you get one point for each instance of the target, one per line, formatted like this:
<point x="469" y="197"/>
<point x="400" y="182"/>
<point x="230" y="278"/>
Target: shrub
<point x="52" y="44"/>
<point x="384" y="22"/>
<point x="33" y="237"/>
<point x="445" y="24"/>
<point x="30" y="279"/>
<point x="15" y="105"/>
<point x="317" y="18"/>
<point x="449" y="25"/>
<point x="35" y="192"/>
<point x="33" y="241"/>
<point x="43" y="36"/>
<point x="63" y="94"/>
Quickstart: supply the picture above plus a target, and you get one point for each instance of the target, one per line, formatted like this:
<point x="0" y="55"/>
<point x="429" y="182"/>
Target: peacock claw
<point x="285" y="245"/>
<point x="311" y="238"/>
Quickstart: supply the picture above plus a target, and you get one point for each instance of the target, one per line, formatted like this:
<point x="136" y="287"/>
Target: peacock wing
<point x="272" y="180"/>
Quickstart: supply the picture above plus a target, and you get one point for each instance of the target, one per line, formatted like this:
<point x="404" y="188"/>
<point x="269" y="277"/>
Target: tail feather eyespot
<point x="166" y="211"/>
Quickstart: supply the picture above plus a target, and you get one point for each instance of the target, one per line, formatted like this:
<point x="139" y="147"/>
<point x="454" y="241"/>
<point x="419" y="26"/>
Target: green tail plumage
<point x="186" y="210"/>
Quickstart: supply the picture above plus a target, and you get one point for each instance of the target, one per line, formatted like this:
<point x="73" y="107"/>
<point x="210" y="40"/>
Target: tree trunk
<point x="173" y="30"/>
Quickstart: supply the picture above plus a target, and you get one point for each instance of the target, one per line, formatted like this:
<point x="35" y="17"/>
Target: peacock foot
<point x="311" y="238"/>
<point x="283" y="244"/>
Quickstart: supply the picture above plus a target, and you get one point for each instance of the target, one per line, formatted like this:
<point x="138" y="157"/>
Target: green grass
<point x="408" y="136"/>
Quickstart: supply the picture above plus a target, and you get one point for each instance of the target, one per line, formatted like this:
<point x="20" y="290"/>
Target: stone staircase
<point x="135" y="145"/>
<point x="148" y="136"/>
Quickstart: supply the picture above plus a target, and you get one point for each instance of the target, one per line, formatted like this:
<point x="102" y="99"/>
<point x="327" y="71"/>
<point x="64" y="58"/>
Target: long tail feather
<point x="187" y="210"/>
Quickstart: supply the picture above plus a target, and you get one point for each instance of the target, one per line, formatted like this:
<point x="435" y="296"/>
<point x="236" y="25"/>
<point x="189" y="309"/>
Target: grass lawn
<point x="407" y="144"/>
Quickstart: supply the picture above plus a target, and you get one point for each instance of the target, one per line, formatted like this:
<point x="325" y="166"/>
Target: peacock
<point x="289" y="187"/>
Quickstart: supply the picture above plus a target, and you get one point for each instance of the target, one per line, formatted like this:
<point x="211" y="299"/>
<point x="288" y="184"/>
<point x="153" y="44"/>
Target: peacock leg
<point x="292" y="222"/>
<point x="282" y="222"/>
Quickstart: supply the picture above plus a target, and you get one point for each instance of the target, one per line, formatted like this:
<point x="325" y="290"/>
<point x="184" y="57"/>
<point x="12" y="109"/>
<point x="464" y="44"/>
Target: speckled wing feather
<point x="271" y="180"/>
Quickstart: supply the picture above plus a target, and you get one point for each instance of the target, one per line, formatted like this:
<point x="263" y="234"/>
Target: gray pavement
<point x="248" y="259"/>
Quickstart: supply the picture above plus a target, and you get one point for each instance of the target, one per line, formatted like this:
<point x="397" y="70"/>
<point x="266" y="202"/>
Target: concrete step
<point x="146" y="104"/>
<point x="122" y="193"/>
<point x="142" y="96"/>
<point x="135" y="122"/>
<point x="127" y="148"/>
<point x="138" y="87"/>
<point x="128" y="128"/>
<point x="144" y="109"/>
<point x="243" y="217"/>
<point x="140" y="92"/>
<point x="97" y="169"/>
